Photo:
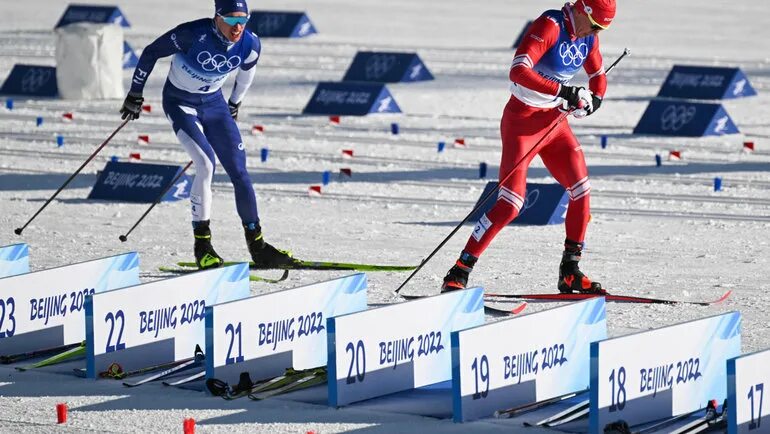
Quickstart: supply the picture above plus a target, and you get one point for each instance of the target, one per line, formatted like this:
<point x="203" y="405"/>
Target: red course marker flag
<point x="675" y="155"/>
<point x="748" y="146"/>
<point x="68" y="116"/>
<point x="346" y="172"/>
<point x="347" y="153"/>
<point x="135" y="156"/>
<point x="334" y="120"/>
<point x="460" y="143"/>
<point x="314" y="190"/>
<point x="143" y="139"/>
<point x="257" y="129"/>
<point x="147" y="108"/>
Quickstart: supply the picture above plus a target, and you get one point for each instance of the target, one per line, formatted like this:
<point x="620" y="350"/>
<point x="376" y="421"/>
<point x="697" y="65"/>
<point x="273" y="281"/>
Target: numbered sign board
<point x="156" y="322"/>
<point x="662" y="373"/>
<point x="44" y="309"/>
<point x="397" y="347"/>
<point x="524" y="360"/>
<point x="748" y="377"/>
<point x="265" y="334"/>
<point x="14" y="259"/>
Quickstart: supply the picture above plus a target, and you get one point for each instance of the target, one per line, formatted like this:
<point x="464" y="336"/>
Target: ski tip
<point x="520" y="308"/>
<point x="724" y="297"/>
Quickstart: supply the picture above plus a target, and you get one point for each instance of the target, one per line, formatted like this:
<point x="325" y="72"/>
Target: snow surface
<point x="658" y="232"/>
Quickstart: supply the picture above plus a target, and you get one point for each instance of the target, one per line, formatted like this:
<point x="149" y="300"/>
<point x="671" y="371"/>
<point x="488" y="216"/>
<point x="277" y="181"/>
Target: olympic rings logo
<point x="270" y="23"/>
<point x="572" y="54"/>
<point x="379" y="65"/>
<point x="34" y="79"/>
<point x="675" y="117"/>
<point x="218" y="62"/>
<point x="531" y="199"/>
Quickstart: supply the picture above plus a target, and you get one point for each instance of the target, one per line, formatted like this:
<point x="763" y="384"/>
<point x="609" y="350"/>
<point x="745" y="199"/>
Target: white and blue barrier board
<point x="266" y="334"/>
<point x="31" y="80"/>
<point x="383" y="67"/>
<point x="748" y="378"/>
<point x="706" y="82"/>
<point x="14" y="259"/>
<point x="520" y="38"/>
<point x="130" y="60"/>
<point x="157" y="322"/>
<point x="352" y="99"/>
<point x="398" y="347"/>
<point x="662" y="373"/>
<point x="78" y="13"/>
<point x="524" y="360"/>
<point x="277" y="24"/>
<point x="45" y="309"/>
<point x="685" y="119"/>
<point x="545" y="204"/>
<point x="140" y="182"/>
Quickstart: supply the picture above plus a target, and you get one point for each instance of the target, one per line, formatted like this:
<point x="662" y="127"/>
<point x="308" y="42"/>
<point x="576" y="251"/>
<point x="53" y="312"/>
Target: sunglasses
<point x="232" y="21"/>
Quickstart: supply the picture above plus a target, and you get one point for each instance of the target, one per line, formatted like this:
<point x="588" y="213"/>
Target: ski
<point x="182" y="366"/>
<point x="185" y="380"/>
<point x="314" y="378"/>
<point x="489" y="310"/>
<point x="515" y="411"/>
<point x="13" y="358"/>
<point x="252" y="277"/>
<point x="246" y="387"/>
<point x="703" y="423"/>
<point x="576" y="411"/>
<point x="72" y="354"/>
<point x="608" y="297"/>
<point x="322" y="265"/>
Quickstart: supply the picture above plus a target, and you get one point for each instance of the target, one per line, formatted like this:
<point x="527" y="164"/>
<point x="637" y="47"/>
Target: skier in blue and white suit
<point x="205" y="52"/>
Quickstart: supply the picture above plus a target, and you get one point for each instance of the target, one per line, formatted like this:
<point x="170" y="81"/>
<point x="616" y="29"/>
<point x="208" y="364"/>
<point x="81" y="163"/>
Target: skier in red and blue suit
<point x="555" y="47"/>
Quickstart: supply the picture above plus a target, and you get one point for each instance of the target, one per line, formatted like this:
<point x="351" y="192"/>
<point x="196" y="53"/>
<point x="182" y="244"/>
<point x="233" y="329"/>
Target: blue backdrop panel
<point x="706" y="82"/>
<point x="138" y="182"/>
<point x="523" y="32"/>
<point x="276" y="24"/>
<point x="93" y="14"/>
<point x="31" y="80"/>
<point x="352" y="99"/>
<point x="685" y="119"/>
<point x="545" y="204"/>
<point x="385" y="67"/>
<point x="130" y="60"/>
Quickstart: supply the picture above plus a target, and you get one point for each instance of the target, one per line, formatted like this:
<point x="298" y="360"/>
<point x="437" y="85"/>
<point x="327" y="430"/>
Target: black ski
<point x="245" y="386"/>
<point x="181" y="367"/>
<point x="568" y="415"/>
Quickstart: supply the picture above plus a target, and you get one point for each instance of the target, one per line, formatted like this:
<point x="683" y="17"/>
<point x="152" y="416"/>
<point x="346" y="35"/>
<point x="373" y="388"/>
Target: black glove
<point x="597" y="102"/>
<point x="233" y="109"/>
<point x="132" y="106"/>
<point x="571" y="95"/>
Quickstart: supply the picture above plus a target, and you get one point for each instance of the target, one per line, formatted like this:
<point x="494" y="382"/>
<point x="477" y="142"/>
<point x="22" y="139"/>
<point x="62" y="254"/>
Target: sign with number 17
<point x="747" y="377"/>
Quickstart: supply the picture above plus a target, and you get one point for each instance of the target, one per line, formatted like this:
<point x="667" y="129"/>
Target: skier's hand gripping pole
<point x="18" y="231"/>
<point x="492" y="192"/>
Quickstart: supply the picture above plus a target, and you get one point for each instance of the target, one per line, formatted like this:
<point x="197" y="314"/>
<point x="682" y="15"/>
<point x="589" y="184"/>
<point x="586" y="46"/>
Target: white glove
<point x="585" y="105"/>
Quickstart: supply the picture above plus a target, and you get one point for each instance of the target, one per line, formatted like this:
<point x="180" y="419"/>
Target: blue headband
<point x="227" y="7"/>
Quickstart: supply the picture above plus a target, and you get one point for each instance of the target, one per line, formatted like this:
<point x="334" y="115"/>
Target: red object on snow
<point x="460" y="142"/>
<point x="748" y="146"/>
<point x="675" y="155"/>
<point x="189" y="426"/>
<point x="61" y="413"/>
<point x="347" y="153"/>
<point x="68" y="116"/>
<point x="314" y="190"/>
<point x="347" y="172"/>
<point x="143" y="139"/>
<point x="135" y="156"/>
<point x="256" y="129"/>
<point x="335" y="120"/>
<point x="147" y="108"/>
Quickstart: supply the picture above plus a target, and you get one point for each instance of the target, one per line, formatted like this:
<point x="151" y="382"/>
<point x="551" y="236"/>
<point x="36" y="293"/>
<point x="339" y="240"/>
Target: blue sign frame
<point x="387" y="67"/>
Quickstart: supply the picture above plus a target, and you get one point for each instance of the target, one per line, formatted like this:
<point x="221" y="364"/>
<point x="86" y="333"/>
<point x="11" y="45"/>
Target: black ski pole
<point x="494" y="190"/>
<point x="124" y="238"/>
<point x="18" y="231"/>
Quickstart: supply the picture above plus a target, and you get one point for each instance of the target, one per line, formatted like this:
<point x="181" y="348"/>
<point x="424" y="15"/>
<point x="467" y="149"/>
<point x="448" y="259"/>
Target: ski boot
<point x="205" y="256"/>
<point x="457" y="276"/>
<point x="263" y="254"/>
<point x="571" y="279"/>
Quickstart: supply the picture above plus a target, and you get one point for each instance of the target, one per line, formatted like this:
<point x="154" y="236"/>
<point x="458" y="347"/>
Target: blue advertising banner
<point x="747" y="377"/>
<point x="92" y="14"/>
<point x="685" y="119"/>
<point x="130" y="60"/>
<point x="352" y="99"/>
<point x="139" y="182"/>
<point x="661" y="373"/>
<point x="503" y="364"/>
<point x="545" y="204"/>
<point x="156" y="322"/>
<point x="385" y="67"/>
<point x="398" y="347"/>
<point x="523" y="32"/>
<point x="31" y="80"/>
<point x="706" y="82"/>
<point x="277" y="24"/>
<point x="14" y="260"/>
<point x="266" y="334"/>
<point x="45" y="309"/>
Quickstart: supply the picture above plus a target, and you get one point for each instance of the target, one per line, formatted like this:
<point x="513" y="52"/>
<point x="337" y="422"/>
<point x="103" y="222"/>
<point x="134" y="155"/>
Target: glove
<point x="576" y="97"/>
<point x="132" y="106"/>
<point x="596" y="102"/>
<point x="233" y="109"/>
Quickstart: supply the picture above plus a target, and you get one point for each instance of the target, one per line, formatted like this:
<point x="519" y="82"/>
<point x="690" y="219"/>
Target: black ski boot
<point x="263" y="254"/>
<point x="571" y="279"/>
<point x="457" y="276"/>
<point x="205" y="256"/>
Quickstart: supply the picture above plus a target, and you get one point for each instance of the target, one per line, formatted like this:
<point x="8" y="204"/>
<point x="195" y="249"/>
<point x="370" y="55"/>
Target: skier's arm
<point x="594" y="67"/>
<point x="541" y="36"/>
<point x="246" y="73"/>
<point x="177" y="40"/>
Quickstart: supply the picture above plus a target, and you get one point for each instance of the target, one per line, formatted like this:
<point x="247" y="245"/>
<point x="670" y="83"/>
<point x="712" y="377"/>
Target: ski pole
<point x="18" y="231"/>
<point x="486" y="197"/>
<point x="124" y="238"/>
